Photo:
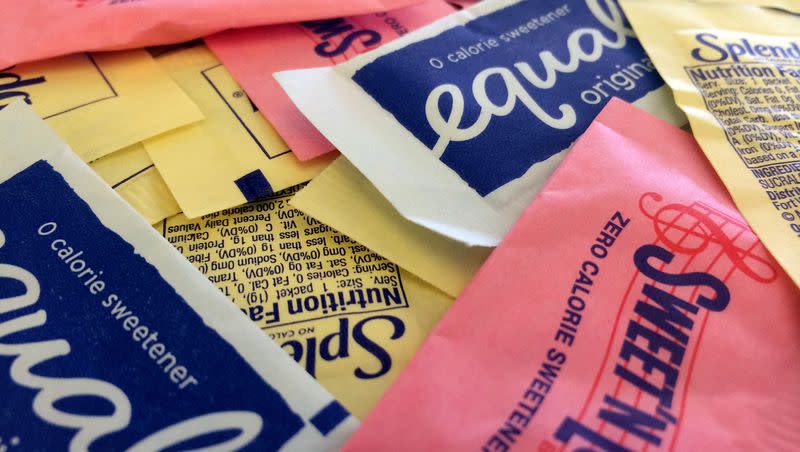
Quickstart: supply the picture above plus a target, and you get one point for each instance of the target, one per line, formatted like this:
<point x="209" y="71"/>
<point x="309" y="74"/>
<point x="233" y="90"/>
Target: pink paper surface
<point x="38" y="29"/>
<point x="253" y="55"/>
<point x="482" y="382"/>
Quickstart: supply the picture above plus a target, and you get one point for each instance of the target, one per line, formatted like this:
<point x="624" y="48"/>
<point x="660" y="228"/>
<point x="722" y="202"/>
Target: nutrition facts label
<point x="283" y="268"/>
<point x="758" y="106"/>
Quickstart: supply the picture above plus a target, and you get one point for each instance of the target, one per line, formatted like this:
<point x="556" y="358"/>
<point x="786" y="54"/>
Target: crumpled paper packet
<point x="100" y="102"/>
<point x="349" y="316"/>
<point x="38" y="29"/>
<point x="252" y="55"/>
<point x="232" y="157"/>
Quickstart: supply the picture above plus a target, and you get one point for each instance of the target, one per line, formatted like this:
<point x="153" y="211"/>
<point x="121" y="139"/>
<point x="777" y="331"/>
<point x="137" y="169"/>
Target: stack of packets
<point x="480" y="217"/>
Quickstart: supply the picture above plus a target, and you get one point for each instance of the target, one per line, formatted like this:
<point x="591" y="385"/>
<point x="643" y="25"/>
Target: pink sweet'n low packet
<point x="38" y="29"/>
<point x="252" y="55"/>
<point x="629" y="308"/>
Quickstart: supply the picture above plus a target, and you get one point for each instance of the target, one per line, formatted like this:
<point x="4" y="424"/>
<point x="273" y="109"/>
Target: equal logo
<point x="510" y="89"/>
<point x="98" y="351"/>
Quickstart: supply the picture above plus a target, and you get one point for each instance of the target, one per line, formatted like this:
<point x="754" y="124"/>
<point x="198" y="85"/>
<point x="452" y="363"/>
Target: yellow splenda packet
<point x="233" y="157"/>
<point x="735" y="71"/>
<point x="350" y="317"/>
<point x="134" y="177"/>
<point x="100" y="102"/>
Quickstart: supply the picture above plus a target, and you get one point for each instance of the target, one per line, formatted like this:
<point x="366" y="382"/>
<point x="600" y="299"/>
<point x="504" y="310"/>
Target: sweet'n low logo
<point x="14" y="86"/>
<point x="682" y="280"/>
<point x="502" y="92"/>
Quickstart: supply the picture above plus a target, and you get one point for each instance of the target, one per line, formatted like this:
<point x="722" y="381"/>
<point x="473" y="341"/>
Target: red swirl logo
<point x="705" y="226"/>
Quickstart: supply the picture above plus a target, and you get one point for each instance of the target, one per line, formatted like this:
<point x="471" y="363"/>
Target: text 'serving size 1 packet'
<point x="232" y="157"/>
<point x="254" y="54"/>
<point x="460" y="122"/>
<point x="622" y="312"/>
<point x="112" y="340"/>
<point x="735" y="70"/>
<point x="102" y="102"/>
<point x="351" y="318"/>
<point x="132" y="174"/>
<point x="38" y="29"/>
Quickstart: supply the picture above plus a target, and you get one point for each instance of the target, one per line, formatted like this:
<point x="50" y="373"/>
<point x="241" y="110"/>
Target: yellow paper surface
<point x="788" y="5"/>
<point x="101" y="102"/>
<point x="234" y="156"/>
<point x="132" y="174"/>
<point x="344" y="199"/>
<point x="303" y="284"/>
<point x="742" y="97"/>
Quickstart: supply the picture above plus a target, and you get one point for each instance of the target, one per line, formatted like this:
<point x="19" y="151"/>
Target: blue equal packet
<point x="459" y="123"/>
<point x="110" y="340"/>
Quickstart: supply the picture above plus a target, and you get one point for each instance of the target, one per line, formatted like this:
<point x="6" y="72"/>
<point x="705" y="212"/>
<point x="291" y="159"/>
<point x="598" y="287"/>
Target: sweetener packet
<point x="132" y="174"/>
<point x="113" y="341"/>
<point x="252" y="55"/>
<point x="38" y="29"/>
<point x="623" y="311"/>
<point x="99" y="102"/>
<point x="345" y="200"/>
<point x="735" y="70"/>
<point x="460" y="122"/>
<point x="232" y="157"/>
<point x="351" y="318"/>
